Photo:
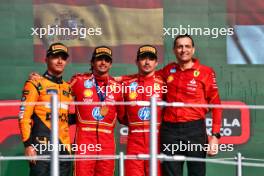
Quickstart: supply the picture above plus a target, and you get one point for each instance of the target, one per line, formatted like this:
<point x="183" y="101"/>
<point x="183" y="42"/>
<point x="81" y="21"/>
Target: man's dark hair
<point x="182" y="36"/>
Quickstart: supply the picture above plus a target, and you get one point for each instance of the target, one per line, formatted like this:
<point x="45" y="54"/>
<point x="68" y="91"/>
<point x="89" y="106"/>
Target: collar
<point x="102" y="79"/>
<point x="145" y="78"/>
<point x="196" y="64"/>
<point x="57" y="80"/>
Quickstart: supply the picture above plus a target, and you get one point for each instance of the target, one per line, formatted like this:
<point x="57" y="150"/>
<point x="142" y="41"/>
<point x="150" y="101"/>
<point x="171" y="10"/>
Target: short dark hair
<point x="183" y="36"/>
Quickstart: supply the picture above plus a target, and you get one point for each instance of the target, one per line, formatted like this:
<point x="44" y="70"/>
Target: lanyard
<point x="99" y="92"/>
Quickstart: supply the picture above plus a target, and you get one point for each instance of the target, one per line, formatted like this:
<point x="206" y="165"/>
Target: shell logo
<point x="133" y="95"/>
<point x="170" y="79"/>
<point x="88" y="93"/>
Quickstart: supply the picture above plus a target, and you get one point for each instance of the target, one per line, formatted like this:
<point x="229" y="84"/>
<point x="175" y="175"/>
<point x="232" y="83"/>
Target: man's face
<point x="146" y="65"/>
<point x="102" y="65"/>
<point x="183" y="49"/>
<point x="56" y="63"/>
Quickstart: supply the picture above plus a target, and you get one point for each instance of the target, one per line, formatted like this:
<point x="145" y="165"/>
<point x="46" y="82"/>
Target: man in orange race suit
<point x="35" y="121"/>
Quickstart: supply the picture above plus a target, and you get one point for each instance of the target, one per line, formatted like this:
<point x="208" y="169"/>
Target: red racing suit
<point x="95" y="123"/>
<point x="141" y="88"/>
<point x="196" y="85"/>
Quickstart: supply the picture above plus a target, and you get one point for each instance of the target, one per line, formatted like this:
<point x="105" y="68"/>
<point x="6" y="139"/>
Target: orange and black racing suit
<point x="35" y="120"/>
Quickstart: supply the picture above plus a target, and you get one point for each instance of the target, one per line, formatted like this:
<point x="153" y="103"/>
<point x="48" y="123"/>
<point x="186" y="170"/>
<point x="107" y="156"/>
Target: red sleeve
<point x="212" y="97"/>
<point x="123" y="78"/>
<point x="121" y="111"/>
<point x="72" y="82"/>
<point x="164" y="72"/>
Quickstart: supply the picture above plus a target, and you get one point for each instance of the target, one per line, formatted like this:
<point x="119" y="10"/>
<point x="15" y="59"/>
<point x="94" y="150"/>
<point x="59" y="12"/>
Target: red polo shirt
<point x="196" y="85"/>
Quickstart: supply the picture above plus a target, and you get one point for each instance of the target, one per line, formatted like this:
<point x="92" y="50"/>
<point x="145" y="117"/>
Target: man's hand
<point x="213" y="146"/>
<point x="30" y="151"/>
<point x="34" y="76"/>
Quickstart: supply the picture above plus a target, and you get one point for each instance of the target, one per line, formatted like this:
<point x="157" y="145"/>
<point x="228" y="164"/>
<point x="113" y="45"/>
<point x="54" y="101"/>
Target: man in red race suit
<point x="140" y="87"/>
<point x="96" y="123"/>
<point x="189" y="82"/>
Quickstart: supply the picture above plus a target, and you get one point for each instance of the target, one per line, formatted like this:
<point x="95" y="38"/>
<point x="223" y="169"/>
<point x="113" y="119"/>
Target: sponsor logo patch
<point x="52" y="91"/>
<point x="133" y="95"/>
<point x="173" y="70"/>
<point x="133" y="86"/>
<point x="170" y="79"/>
<point x="97" y="114"/>
<point x="88" y="84"/>
<point x="88" y="93"/>
<point x="25" y="92"/>
<point x="144" y="113"/>
<point x="196" y="73"/>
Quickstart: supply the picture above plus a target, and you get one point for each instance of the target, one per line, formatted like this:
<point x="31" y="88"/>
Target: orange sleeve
<point x="30" y="94"/>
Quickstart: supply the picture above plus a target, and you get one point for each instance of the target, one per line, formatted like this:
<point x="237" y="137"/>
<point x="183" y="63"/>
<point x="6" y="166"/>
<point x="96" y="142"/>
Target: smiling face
<point x="184" y="49"/>
<point x="101" y="65"/>
<point x="56" y="64"/>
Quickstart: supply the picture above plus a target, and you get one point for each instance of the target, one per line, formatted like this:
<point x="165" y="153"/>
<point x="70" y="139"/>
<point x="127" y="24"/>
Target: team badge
<point x="65" y="93"/>
<point x="104" y="110"/>
<point x="20" y="115"/>
<point x="113" y="87"/>
<point x="88" y="84"/>
<point x="133" y="86"/>
<point x="22" y="108"/>
<point x="196" y="73"/>
<point x="96" y="113"/>
<point x="170" y="79"/>
<point x="173" y="70"/>
<point x="88" y="93"/>
<point x="39" y="87"/>
<point x="25" y="92"/>
<point x="23" y="98"/>
<point x="111" y="96"/>
<point x="133" y="95"/>
<point x="144" y="113"/>
<point x="156" y="86"/>
<point x="52" y="91"/>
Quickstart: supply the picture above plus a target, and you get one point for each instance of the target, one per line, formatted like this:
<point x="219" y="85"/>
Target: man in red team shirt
<point x="189" y="82"/>
<point x="96" y="123"/>
<point x="140" y="87"/>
